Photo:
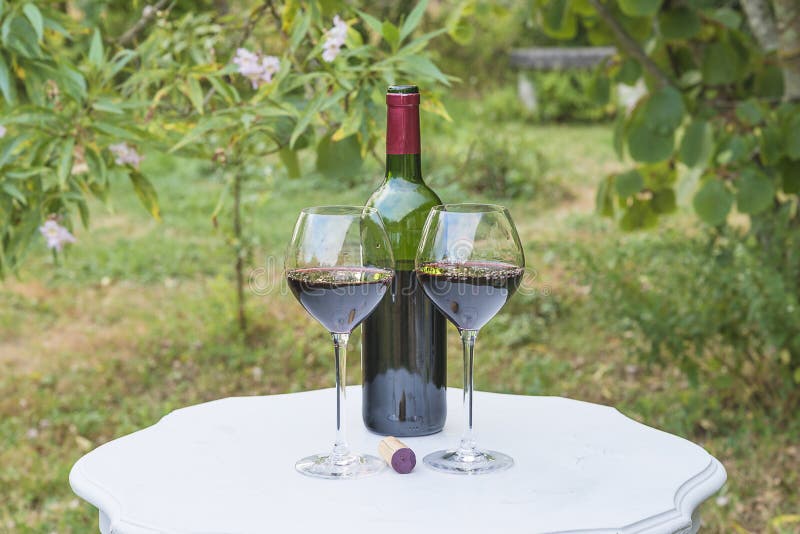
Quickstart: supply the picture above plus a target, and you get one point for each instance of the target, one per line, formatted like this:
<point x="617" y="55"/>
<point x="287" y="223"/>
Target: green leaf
<point x="6" y="84"/>
<point x="371" y="21"/>
<point x="559" y="20"/>
<point x="638" y="216"/>
<point x="769" y="82"/>
<point x="97" y="167"/>
<point x="755" y="192"/>
<point x="339" y="160"/>
<point x="640" y="8"/>
<point x="664" y="201"/>
<point x="790" y="176"/>
<point x="720" y="64"/>
<point x="10" y="146"/>
<point x="600" y="88"/>
<point x="732" y="150"/>
<point x="290" y="161"/>
<point x="462" y="32"/>
<point x="21" y="36"/>
<point x="679" y="23"/>
<point x="304" y="120"/>
<point x="12" y="191"/>
<point x="713" y="202"/>
<point x="420" y="65"/>
<point x="83" y="211"/>
<point x="748" y="112"/>
<point x="96" y="54"/>
<point x="351" y="124"/>
<point x="224" y="89"/>
<point x="604" y="201"/>
<point x="65" y="161"/>
<point x="647" y="145"/>
<point x="727" y="17"/>
<point x="663" y="110"/>
<point x="108" y="106"/>
<point x="697" y="144"/>
<point x="34" y="16"/>
<point x="120" y="59"/>
<point x="195" y="93"/>
<point x="792" y="139"/>
<point x="629" y="72"/>
<point x="301" y="25"/>
<point x="628" y="183"/>
<point x="414" y="18"/>
<point x="658" y="175"/>
<point x="72" y="81"/>
<point x="146" y="193"/>
<point x="619" y="135"/>
<point x="391" y="34"/>
<point x="432" y="104"/>
<point x="772" y="144"/>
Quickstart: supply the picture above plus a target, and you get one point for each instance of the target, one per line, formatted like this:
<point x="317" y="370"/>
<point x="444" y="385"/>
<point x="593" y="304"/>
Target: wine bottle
<point x="404" y="346"/>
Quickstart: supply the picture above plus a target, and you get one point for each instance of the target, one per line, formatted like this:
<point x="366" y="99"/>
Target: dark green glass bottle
<point x="404" y="347"/>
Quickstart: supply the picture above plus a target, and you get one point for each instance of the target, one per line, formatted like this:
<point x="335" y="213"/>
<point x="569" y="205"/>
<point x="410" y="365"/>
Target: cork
<point x="397" y="454"/>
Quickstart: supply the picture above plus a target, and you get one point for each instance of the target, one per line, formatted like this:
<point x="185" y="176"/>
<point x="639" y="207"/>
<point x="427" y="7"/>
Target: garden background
<point x="153" y="159"/>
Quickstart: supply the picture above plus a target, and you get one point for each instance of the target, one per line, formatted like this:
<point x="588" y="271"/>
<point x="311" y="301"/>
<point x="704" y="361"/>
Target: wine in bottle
<point x="404" y="348"/>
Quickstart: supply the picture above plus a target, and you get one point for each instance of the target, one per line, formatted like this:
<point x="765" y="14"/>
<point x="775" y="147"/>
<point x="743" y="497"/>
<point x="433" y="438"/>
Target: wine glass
<point x="469" y="262"/>
<point x="339" y="264"/>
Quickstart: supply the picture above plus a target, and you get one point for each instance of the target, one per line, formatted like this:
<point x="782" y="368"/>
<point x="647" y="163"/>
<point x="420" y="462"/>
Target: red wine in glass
<point x="470" y="293"/>
<point x="339" y="297"/>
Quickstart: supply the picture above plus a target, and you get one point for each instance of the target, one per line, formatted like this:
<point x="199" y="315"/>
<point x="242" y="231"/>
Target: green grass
<point x="138" y="320"/>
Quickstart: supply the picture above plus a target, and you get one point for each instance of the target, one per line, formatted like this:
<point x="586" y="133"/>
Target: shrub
<point x="495" y="166"/>
<point x="561" y="96"/>
<point x="715" y="306"/>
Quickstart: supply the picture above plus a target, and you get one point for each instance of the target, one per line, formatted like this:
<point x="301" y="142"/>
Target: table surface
<point x="227" y="466"/>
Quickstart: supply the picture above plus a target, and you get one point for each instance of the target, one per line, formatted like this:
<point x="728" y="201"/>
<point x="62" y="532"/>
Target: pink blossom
<point x="126" y="154"/>
<point x="258" y="69"/>
<point x="335" y="38"/>
<point x="56" y="235"/>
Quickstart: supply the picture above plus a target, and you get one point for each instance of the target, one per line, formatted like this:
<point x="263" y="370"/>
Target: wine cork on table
<point x="397" y="454"/>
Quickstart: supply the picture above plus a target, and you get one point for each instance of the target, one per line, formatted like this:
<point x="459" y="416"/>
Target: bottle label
<point x="402" y="123"/>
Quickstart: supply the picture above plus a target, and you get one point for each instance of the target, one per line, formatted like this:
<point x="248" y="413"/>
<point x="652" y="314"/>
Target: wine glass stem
<point x="340" y="447"/>
<point x="467" y="439"/>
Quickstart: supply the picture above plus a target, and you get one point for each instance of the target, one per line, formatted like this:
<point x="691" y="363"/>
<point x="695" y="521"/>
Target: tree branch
<point x="252" y="20"/>
<point x="629" y="45"/>
<point x="247" y="31"/>
<point x="787" y="16"/>
<point x="762" y="23"/>
<point x="148" y="14"/>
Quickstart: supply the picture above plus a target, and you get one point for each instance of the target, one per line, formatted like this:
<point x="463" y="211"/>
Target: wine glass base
<point x="340" y="467"/>
<point x="472" y="463"/>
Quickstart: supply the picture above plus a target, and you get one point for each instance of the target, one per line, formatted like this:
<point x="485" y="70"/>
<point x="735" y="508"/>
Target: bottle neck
<point x="405" y="166"/>
<point x="402" y="137"/>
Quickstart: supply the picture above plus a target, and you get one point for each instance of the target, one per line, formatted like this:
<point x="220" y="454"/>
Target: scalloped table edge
<point x="682" y="519"/>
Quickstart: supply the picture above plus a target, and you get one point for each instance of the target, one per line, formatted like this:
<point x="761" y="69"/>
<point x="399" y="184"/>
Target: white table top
<point x="228" y="467"/>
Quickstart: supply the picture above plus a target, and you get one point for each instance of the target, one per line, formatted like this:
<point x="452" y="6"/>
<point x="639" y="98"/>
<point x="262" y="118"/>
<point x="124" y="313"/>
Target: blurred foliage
<point x="169" y="83"/>
<point x="715" y="309"/>
<point x="500" y="167"/>
<point x="719" y="126"/>
<point x="561" y="96"/>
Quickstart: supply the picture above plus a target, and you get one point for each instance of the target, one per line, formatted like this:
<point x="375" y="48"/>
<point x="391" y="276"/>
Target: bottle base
<point x="399" y="432"/>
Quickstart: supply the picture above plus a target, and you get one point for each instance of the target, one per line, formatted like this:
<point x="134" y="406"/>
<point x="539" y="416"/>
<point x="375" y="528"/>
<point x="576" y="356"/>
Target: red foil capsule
<point x="402" y="123"/>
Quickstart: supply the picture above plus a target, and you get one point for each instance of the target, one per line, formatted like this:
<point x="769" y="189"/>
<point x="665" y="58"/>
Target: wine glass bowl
<point x="469" y="262"/>
<point x="339" y="265"/>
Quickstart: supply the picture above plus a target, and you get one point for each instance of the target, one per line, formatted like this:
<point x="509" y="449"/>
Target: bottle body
<point x="404" y="345"/>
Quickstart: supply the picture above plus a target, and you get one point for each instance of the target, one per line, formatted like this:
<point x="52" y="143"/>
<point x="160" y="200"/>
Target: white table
<point x="228" y="467"/>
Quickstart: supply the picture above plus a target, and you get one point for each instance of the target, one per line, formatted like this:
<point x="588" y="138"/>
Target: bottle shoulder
<point x="397" y="196"/>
